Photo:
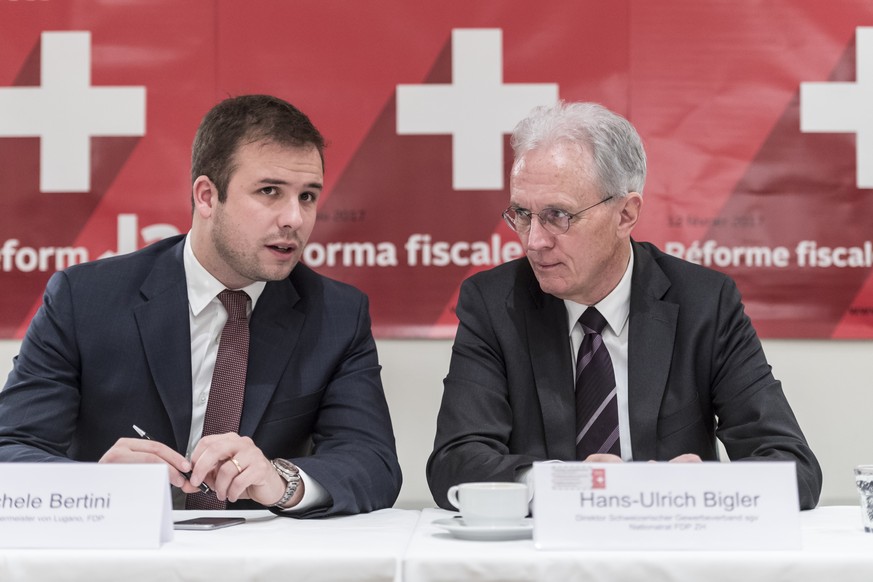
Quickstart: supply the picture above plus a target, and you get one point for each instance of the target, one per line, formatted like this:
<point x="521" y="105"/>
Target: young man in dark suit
<point x="138" y="340"/>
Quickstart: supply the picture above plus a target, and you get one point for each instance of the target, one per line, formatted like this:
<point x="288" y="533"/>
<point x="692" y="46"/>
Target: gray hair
<point x="619" y="157"/>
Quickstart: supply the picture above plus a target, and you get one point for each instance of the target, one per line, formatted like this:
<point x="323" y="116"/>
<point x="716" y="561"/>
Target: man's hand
<point x="606" y="458"/>
<point x="687" y="458"/>
<point x="133" y="450"/>
<point x="603" y="458"/>
<point x="237" y="469"/>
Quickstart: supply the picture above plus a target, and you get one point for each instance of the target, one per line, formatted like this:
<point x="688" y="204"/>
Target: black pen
<point x="203" y="486"/>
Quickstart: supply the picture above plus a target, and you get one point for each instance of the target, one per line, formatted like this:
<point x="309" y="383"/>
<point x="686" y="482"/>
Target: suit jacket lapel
<point x="273" y="333"/>
<point x="166" y="338"/>
<point x="547" y="335"/>
<point x="650" y="350"/>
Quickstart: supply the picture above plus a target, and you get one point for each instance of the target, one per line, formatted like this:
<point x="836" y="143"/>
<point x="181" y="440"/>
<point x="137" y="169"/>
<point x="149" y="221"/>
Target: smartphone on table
<point x="207" y="523"/>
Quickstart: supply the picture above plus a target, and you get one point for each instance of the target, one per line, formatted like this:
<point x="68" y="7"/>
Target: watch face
<point x="287" y="470"/>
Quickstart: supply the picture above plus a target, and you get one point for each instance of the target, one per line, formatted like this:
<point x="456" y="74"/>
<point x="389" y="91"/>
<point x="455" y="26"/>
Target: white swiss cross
<point x="846" y="107"/>
<point x="65" y="111"/>
<point x="477" y="108"/>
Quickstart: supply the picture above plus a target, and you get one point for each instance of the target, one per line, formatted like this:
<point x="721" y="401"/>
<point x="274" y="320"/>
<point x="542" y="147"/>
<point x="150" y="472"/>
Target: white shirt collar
<point x="203" y="287"/>
<point x="615" y="307"/>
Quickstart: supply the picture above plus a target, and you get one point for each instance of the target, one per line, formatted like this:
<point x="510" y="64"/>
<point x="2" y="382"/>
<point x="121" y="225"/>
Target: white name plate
<point x="84" y="505"/>
<point x="666" y="506"/>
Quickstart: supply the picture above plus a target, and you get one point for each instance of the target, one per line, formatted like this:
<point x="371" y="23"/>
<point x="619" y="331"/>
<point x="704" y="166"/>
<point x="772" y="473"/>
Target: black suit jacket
<point x="693" y="356"/>
<point x="111" y="347"/>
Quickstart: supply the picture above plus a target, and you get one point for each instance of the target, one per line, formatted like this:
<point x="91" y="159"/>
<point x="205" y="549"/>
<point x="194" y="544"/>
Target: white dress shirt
<point x="206" y="317"/>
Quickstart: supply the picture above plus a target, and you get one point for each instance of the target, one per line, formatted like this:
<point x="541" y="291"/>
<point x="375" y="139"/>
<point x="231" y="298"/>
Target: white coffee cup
<point x="490" y="504"/>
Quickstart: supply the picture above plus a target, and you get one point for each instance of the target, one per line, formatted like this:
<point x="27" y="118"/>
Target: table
<point x="835" y="549"/>
<point x="405" y="546"/>
<point x="360" y="547"/>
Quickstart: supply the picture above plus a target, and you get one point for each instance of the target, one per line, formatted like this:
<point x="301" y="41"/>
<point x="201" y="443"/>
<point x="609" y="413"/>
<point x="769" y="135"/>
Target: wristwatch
<point x="291" y="474"/>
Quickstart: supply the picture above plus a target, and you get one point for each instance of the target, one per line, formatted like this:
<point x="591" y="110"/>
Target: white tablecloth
<point x="396" y="545"/>
<point x="276" y="549"/>
<point x="835" y="549"/>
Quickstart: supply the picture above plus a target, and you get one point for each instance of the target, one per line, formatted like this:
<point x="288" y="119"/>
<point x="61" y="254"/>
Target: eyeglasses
<point x="554" y="220"/>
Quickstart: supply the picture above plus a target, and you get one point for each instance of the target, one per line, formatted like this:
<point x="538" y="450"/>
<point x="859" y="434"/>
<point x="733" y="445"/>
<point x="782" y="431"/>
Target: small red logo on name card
<point x="598" y="478"/>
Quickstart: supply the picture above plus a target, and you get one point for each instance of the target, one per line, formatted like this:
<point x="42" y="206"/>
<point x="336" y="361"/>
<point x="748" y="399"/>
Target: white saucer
<point x="461" y="530"/>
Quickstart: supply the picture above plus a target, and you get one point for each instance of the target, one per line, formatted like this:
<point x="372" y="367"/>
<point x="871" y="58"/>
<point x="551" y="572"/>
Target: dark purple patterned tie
<point x="596" y="400"/>
<point x="224" y="408"/>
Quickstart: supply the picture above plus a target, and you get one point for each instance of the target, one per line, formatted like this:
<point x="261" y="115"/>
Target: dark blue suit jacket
<point x="110" y="347"/>
<point x="693" y="357"/>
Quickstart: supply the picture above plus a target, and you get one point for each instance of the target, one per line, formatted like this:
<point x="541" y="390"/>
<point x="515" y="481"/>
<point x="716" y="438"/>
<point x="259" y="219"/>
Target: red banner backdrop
<point x="755" y="116"/>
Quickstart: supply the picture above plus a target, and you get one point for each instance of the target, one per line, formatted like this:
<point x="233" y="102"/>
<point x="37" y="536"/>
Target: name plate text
<point x="84" y="505"/>
<point x="664" y="506"/>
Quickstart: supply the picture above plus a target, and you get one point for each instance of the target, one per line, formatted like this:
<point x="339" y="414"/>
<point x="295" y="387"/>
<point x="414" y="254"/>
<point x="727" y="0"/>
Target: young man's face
<point x="258" y="233"/>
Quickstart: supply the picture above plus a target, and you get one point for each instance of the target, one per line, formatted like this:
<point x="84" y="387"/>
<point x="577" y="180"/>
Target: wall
<point x="828" y="384"/>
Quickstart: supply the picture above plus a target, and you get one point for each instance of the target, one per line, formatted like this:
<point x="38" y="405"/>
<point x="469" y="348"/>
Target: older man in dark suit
<point x="286" y="410"/>
<point x="596" y="347"/>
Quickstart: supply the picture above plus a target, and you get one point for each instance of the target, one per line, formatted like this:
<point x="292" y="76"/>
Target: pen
<point x="143" y="434"/>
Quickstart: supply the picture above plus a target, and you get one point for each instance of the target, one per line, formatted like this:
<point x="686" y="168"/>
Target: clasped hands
<point x="607" y="458"/>
<point x="233" y="466"/>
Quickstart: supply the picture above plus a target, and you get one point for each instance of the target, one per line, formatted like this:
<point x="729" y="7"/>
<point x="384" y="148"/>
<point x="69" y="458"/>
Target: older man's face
<point x="585" y="263"/>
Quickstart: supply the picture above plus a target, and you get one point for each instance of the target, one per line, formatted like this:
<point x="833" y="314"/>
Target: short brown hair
<point x="247" y="119"/>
